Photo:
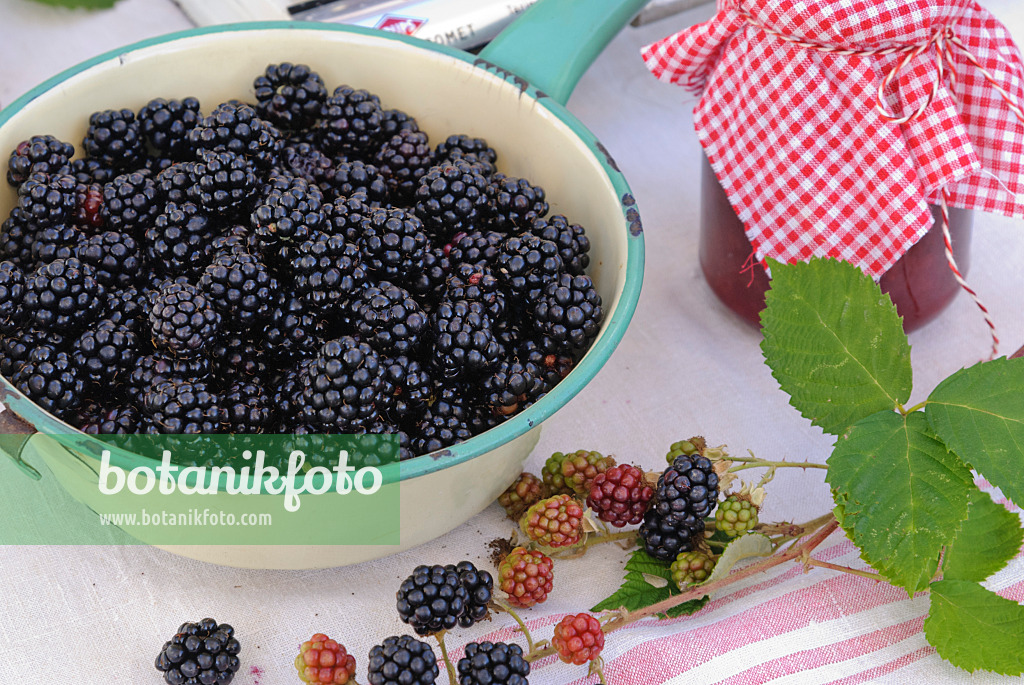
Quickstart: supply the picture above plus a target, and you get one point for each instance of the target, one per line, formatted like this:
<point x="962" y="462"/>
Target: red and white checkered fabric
<point x="818" y="152"/>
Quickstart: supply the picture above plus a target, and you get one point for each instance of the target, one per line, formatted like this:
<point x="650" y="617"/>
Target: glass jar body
<point x="921" y="283"/>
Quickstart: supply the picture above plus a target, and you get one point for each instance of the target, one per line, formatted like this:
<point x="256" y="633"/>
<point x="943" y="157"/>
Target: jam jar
<point x="921" y="283"/>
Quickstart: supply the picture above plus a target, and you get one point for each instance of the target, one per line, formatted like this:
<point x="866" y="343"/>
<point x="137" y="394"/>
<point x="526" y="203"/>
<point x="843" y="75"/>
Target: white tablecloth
<point x="687" y="366"/>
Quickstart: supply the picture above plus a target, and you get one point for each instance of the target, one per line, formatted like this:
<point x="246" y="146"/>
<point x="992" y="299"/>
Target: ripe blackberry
<point x="736" y="515"/>
<point x="120" y="419"/>
<point x="130" y="202"/>
<point x="573" y="243"/>
<point x="386" y="316"/>
<point x="174" y="184"/>
<point x="512" y="386"/>
<point x="580" y="468"/>
<point x="180" y="407"/>
<point x="12" y="292"/>
<point x="526" y="576"/>
<point x="38" y="154"/>
<point x="687" y="492"/>
<point x="555" y="365"/>
<point x="554" y="522"/>
<point x="343" y="386"/>
<point x="56" y="242"/>
<point x="240" y="287"/>
<point x="620" y="496"/>
<point x="48" y="200"/>
<point x="17" y="236"/>
<point x="178" y="242"/>
<point x="355" y="176"/>
<point x="350" y="121"/>
<point x="50" y="378"/>
<point x="308" y="162"/>
<point x="237" y="356"/>
<point x="578" y="639"/>
<point x="127" y="307"/>
<point x="476" y="283"/>
<point x="327" y="270"/>
<point x="345" y="216"/>
<point x="248" y="408"/>
<point x="514" y="203"/>
<point x="479" y="587"/>
<point x="115" y="138"/>
<point x="223" y="182"/>
<point x="114" y="258"/>
<point x="402" y="660"/>
<point x="286" y="397"/>
<point x="152" y="369"/>
<point x="16" y="346"/>
<point x="63" y="296"/>
<point x="293" y="331"/>
<point x="479" y="248"/>
<point x="408" y="387"/>
<point x="89" y="206"/>
<point x="526" y="265"/>
<point x="464" y="340"/>
<point x="89" y="170"/>
<point x="432" y="599"/>
<point x="444" y="423"/>
<point x="493" y="663"/>
<point x="393" y="244"/>
<point x="236" y="127"/>
<point x="287" y="216"/>
<point x="691" y="568"/>
<point x="182" y="319"/>
<point x="323" y="660"/>
<point x="392" y="121"/>
<point x="460" y="146"/>
<point x="403" y="159"/>
<point x="429" y="284"/>
<point x="289" y="95"/>
<point x="105" y="353"/>
<point x="569" y="311"/>
<point x="237" y="238"/>
<point x="451" y="198"/>
<point x="526" y="490"/>
<point x="205" y="652"/>
<point x="166" y="123"/>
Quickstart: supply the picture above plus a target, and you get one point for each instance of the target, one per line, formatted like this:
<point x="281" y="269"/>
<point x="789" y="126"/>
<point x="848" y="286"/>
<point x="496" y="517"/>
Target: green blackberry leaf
<point x="636" y="593"/>
<point x="979" y="413"/>
<point x="988" y="539"/>
<point x="834" y="342"/>
<point x="974" y="628"/>
<point x="903" y="495"/>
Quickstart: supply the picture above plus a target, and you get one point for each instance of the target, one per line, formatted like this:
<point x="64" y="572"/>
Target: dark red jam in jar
<point x="921" y="283"/>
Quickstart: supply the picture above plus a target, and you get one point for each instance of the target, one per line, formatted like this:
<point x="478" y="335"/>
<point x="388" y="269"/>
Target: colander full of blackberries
<point x="305" y="229"/>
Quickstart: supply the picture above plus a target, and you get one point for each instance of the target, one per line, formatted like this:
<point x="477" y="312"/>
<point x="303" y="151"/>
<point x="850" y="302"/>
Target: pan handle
<point x="14" y="435"/>
<point x="554" y="41"/>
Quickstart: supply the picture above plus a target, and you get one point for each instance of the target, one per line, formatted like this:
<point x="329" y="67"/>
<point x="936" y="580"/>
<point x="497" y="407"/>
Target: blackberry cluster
<point x="491" y="663"/>
<point x="200" y="653"/>
<point x="686" y="494"/>
<point x="436" y="598"/>
<point x="402" y="660"/>
<point x="307" y="261"/>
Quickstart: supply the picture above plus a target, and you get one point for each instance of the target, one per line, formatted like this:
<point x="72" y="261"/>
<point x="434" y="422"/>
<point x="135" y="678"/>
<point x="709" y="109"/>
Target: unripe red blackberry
<point x="554" y="522"/>
<point x="579" y="469"/>
<point x="323" y="660"/>
<point x="578" y="639"/>
<point x="527" y="490"/>
<point x="526" y="577"/>
<point x="620" y="496"/>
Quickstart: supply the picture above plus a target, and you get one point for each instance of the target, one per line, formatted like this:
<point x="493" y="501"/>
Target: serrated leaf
<point x="743" y="547"/>
<point x="974" y="628"/>
<point x="979" y="413"/>
<point x="636" y="593"/>
<point x="834" y="342"/>
<point x="989" y="538"/>
<point x="904" y="495"/>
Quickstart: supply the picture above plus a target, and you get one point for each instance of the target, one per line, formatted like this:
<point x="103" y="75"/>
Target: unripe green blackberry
<point x="551" y="473"/>
<point x="736" y="515"/>
<point x="693" y="446"/>
<point x="691" y="568"/>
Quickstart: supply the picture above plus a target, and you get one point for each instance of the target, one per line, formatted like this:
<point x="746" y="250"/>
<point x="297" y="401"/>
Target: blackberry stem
<point x="809" y="561"/>
<point x="452" y="679"/>
<point x="597" y="668"/>
<point x="522" y="625"/>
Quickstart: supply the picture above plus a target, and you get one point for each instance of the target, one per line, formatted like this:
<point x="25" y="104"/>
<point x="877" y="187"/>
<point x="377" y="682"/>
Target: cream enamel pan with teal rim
<point x="512" y="94"/>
